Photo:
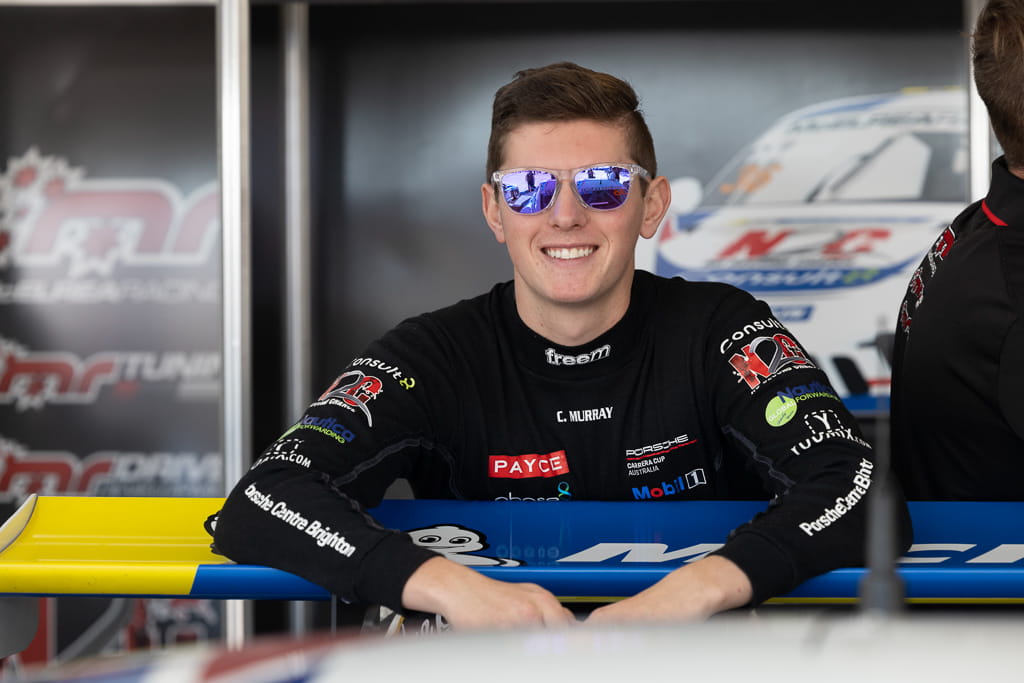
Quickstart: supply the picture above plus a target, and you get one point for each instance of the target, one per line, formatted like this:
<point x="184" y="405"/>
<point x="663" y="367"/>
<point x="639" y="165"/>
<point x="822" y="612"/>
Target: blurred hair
<point x="569" y="92"/>
<point x="998" y="58"/>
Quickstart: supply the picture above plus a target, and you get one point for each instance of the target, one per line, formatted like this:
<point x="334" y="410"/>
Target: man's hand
<point x="693" y="592"/>
<point x="468" y="599"/>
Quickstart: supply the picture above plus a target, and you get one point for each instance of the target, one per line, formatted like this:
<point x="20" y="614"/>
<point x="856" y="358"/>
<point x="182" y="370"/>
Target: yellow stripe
<point x="128" y="546"/>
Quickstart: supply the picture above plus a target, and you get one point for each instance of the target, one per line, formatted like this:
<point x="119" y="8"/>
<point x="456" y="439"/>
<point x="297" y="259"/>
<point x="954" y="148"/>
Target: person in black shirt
<point x="581" y="379"/>
<point x="957" y="404"/>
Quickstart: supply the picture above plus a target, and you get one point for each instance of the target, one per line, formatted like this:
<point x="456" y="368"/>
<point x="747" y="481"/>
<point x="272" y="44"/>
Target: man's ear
<point x="656" y="202"/>
<point x="492" y="211"/>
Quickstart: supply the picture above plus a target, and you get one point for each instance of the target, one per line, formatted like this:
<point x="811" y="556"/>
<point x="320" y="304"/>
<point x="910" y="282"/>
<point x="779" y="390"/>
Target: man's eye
<point x="428" y="539"/>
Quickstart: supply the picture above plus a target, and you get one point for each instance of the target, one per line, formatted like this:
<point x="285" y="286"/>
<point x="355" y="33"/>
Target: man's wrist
<point x="732" y="583"/>
<point x="428" y="589"/>
<point x="716" y="583"/>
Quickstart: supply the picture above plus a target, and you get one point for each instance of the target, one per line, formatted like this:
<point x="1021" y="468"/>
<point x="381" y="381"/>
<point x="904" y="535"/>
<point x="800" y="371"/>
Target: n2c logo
<point x="781" y="352"/>
<point x="354" y="389"/>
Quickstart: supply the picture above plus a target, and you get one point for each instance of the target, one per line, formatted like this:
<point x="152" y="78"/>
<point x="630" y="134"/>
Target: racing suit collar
<point x="1003" y="199"/>
<point x="610" y="351"/>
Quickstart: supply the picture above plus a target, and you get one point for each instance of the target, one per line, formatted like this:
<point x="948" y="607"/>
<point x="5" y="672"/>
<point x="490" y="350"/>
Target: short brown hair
<point x="568" y="92"/>
<point x="998" y="57"/>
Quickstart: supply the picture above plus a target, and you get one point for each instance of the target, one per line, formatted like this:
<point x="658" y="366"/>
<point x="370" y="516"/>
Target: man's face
<point x="571" y="255"/>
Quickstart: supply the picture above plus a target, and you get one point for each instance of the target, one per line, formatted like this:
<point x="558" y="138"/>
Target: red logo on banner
<point x="54" y="213"/>
<point x="527" y="466"/>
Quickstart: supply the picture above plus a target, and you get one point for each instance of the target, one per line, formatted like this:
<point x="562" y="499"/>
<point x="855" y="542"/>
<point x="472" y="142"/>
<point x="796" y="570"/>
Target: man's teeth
<point x="574" y="252"/>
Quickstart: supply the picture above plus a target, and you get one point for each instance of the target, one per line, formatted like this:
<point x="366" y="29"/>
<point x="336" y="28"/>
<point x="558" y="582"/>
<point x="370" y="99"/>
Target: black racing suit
<point x="697" y="393"/>
<point x="957" y="404"/>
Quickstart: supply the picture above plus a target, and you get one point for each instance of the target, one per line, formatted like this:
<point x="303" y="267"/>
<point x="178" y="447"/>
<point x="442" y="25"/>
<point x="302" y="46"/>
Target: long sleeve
<point x="780" y="412"/>
<point x="301" y="506"/>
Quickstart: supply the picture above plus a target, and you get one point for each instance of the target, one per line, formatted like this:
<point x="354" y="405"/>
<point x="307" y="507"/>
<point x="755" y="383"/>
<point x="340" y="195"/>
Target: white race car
<point x="825" y="217"/>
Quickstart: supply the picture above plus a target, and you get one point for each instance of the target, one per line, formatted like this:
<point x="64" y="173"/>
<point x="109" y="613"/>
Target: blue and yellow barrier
<point x="590" y="551"/>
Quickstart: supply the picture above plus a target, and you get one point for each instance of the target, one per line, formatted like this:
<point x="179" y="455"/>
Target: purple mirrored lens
<point x="603" y="187"/>
<point x="528" y="191"/>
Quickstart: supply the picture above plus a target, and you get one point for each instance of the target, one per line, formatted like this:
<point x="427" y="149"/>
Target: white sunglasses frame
<point x="569" y="174"/>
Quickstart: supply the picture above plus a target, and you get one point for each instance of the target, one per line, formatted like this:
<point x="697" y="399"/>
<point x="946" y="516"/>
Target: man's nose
<point x="567" y="213"/>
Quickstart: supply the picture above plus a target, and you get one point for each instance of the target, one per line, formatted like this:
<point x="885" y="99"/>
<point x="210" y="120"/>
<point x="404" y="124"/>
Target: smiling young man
<point x="573" y="265"/>
<point x="581" y="379"/>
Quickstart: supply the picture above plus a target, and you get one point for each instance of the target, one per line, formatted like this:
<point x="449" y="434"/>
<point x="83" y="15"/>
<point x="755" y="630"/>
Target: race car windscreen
<point x="858" y="166"/>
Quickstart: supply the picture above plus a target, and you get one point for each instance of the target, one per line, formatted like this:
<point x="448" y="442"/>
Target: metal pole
<point x="234" y="173"/>
<point x="295" y="39"/>
<point x="882" y="589"/>
<point x="979" y="136"/>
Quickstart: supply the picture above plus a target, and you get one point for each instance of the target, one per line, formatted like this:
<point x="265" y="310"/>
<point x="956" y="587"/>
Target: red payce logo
<point x="552" y="464"/>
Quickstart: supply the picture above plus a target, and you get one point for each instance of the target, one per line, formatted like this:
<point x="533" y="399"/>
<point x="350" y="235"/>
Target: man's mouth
<point x="568" y="253"/>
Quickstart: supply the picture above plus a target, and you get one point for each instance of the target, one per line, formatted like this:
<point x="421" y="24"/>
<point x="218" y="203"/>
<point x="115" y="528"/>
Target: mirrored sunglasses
<point x="602" y="186"/>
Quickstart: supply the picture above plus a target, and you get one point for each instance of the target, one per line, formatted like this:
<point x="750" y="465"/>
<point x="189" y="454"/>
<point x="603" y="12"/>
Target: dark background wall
<point x="114" y="105"/>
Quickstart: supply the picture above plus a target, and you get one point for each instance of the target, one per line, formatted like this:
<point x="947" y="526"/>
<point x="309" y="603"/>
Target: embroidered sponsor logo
<point x="833" y="513"/>
<point x="555" y="358"/>
<point x="649" y="464"/>
<point x="387" y="369"/>
<point x="648" y="459"/>
<point x="588" y="415"/>
<point x="783" y="407"/>
<point x="921" y="276"/>
<point x="821" y="421"/>
<point x="563" y="494"/>
<point x="352" y="391"/>
<point x="285" y="450"/>
<point x="315" y="529"/>
<point x="552" y="464"/>
<point x="825" y="425"/>
<point x="749" y="329"/>
<point x="691" y="480"/>
<point x="779" y="411"/>
<point x="806" y="391"/>
<point x="660" y="447"/>
<point x="766" y="357"/>
<point x="324" y="425"/>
